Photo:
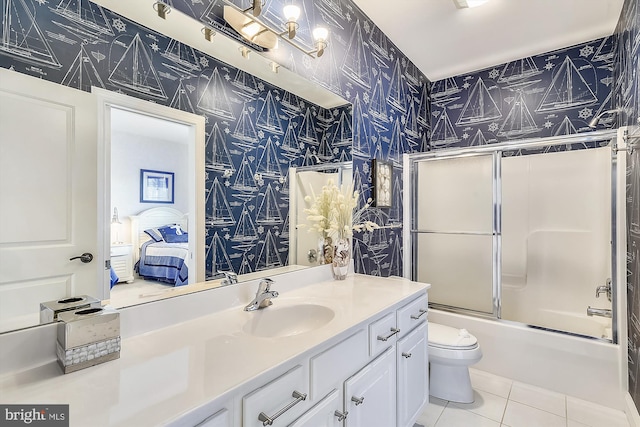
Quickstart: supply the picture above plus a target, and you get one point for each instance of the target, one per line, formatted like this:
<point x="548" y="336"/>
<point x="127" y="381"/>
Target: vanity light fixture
<point x="208" y="33"/>
<point x="249" y="26"/>
<point x="162" y="9"/>
<point x="244" y="51"/>
<point x="274" y="67"/>
<point x="463" y="4"/>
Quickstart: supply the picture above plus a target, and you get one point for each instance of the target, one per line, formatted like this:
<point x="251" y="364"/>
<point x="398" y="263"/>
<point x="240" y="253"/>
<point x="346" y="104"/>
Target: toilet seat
<point x="448" y="338"/>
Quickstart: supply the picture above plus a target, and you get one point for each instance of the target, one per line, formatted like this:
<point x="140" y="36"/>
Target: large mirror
<point x="259" y="126"/>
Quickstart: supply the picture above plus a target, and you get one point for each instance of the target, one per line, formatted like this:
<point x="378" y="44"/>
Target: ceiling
<point x="443" y="41"/>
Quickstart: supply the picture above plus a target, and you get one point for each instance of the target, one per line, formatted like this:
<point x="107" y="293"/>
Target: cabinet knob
<point x="341" y="415"/>
<point x="406" y="355"/>
<point x="357" y="400"/>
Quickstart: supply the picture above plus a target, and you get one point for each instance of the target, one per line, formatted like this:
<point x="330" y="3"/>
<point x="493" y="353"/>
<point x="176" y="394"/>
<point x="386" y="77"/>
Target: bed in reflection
<point x="161" y="245"/>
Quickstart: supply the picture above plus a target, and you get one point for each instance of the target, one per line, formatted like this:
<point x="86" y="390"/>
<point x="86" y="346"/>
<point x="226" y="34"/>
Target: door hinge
<point x="107" y="264"/>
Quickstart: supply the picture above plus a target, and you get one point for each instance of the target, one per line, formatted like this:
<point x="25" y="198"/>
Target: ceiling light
<point x="462" y="4"/>
<point x="249" y="26"/>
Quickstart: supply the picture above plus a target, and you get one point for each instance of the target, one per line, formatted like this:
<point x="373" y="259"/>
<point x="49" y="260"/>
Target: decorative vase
<point x="341" y="258"/>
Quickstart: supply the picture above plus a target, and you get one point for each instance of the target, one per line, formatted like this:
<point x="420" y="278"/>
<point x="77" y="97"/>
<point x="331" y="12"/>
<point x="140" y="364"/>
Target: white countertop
<point x="168" y="372"/>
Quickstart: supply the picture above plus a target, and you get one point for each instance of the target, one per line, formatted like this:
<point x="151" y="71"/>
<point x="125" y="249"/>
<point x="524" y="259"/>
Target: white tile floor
<point x="501" y="402"/>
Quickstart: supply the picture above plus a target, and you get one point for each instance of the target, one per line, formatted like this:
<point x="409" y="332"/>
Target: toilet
<point x="451" y="352"/>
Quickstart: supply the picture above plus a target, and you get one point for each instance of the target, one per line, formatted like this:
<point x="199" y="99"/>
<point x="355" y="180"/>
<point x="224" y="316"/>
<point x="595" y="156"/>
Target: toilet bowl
<point x="451" y="352"/>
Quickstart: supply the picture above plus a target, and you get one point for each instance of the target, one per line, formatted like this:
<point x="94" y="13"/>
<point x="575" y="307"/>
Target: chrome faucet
<point x="229" y="277"/>
<point x="606" y="289"/>
<point x="263" y="296"/>
<point x="603" y="312"/>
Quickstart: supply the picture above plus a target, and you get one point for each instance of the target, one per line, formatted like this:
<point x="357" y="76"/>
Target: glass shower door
<point x="455" y="233"/>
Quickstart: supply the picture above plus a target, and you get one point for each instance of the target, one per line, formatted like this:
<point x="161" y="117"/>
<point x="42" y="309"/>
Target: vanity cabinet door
<point x="327" y="413"/>
<point x="370" y="395"/>
<point x="413" y="386"/>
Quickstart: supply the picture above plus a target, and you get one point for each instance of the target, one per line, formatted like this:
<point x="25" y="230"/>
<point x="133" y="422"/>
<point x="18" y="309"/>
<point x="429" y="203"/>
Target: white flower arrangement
<point x="331" y="213"/>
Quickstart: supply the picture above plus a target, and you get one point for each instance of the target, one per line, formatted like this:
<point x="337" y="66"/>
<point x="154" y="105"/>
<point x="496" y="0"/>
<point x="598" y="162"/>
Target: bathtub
<point x="585" y="368"/>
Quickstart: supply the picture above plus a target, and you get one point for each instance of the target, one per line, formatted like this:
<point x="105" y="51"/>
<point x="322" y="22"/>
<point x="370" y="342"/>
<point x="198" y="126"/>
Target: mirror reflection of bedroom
<point x="149" y="205"/>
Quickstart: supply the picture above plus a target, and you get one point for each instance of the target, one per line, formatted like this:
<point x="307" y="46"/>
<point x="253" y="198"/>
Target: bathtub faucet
<point x="603" y="312"/>
<point x="605" y="289"/>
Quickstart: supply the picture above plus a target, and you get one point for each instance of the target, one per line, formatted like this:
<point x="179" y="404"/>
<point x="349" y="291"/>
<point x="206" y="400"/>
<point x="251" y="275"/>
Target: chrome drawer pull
<point x="341" y="415"/>
<point x="422" y="311"/>
<point x="393" y="332"/>
<point x="357" y="400"/>
<point x="406" y="355"/>
<point x="267" y="420"/>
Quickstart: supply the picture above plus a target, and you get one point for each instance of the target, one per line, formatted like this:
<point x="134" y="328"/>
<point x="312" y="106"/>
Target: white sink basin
<point x="284" y="321"/>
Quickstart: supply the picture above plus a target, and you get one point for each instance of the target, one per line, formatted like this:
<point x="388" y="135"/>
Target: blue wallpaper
<point x="556" y="93"/>
<point x="390" y="99"/>
<point x="255" y="131"/>
<point x="627" y="96"/>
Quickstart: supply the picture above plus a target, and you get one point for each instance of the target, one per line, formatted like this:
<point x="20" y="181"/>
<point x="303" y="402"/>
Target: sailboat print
<point x="325" y="153"/>
<point x="218" y="157"/>
<point x="397" y="93"/>
<point x="443" y="132"/>
<point x="378" y="103"/>
<point x="444" y="88"/>
<point x="565" y="128"/>
<point x="395" y="263"/>
<point x="89" y="20"/>
<point x="519" y="120"/>
<point x="183" y="56"/>
<point x="269" y="212"/>
<point x="396" y="145"/>
<point x="217" y="253"/>
<point x="246" y="229"/>
<point x="568" y="89"/>
<point x="480" y="106"/>
<point x="307" y="132"/>
<point x="181" y="100"/>
<point x="245" y="82"/>
<point x="516" y="72"/>
<point x="424" y="108"/>
<point x="245" y="181"/>
<point x="268" y="257"/>
<point x="135" y="71"/>
<point x="310" y="158"/>
<point x="284" y="234"/>
<point x="478" y="139"/>
<point x="82" y="74"/>
<point x="268" y="116"/>
<point x="290" y="140"/>
<point x="214" y="97"/>
<point x="411" y="122"/>
<point x="411" y="73"/>
<point x="290" y="101"/>
<point x="605" y="51"/>
<point x="326" y="73"/>
<point x="245" y="265"/>
<point x="343" y="132"/>
<point x="269" y="165"/>
<point x="355" y="64"/>
<point x="360" y="134"/>
<point x="218" y="209"/>
<point x="22" y="38"/>
<point x="244" y="131"/>
<point x="379" y="42"/>
<point x="330" y="9"/>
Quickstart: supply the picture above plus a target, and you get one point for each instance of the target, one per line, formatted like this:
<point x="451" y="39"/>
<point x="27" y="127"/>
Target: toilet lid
<point x="447" y="337"/>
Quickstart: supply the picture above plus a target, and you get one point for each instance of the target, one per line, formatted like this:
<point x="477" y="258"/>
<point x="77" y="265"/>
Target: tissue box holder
<point x="50" y="310"/>
<point x="87" y="337"/>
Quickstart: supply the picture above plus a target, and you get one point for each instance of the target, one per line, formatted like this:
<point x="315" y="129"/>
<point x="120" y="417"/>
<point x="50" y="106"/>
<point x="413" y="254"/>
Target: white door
<point x="48" y="187"/>
<point x="413" y="381"/>
<point x="327" y="413"/>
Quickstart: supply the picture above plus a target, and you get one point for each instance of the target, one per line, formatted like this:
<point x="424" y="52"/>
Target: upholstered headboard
<point x="152" y="218"/>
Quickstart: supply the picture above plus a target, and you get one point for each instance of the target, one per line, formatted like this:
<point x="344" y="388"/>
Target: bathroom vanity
<point x="327" y="353"/>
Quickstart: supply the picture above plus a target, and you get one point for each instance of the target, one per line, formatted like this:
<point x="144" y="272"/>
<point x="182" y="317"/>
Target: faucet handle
<point x="266" y="282"/>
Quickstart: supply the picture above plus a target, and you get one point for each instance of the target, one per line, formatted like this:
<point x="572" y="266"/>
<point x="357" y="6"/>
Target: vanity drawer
<point x="274" y="397"/>
<point x="382" y="333"/>
<point x="412" y="314"/>
<point x="329" y="368"/>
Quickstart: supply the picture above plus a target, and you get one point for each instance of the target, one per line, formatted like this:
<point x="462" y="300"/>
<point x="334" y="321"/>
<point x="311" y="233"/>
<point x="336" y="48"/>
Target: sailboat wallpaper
<point x="556" y="93"/>
<point x="254" y="131"/>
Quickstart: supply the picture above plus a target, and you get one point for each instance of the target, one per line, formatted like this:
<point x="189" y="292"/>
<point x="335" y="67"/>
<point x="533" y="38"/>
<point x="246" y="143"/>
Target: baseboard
<point x="632" y="412"/>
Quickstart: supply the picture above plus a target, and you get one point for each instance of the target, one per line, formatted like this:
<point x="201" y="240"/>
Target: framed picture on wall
<point x="382" y="173"/>
<point x="156" y="186"/>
